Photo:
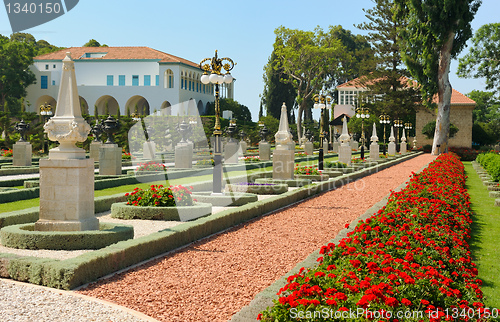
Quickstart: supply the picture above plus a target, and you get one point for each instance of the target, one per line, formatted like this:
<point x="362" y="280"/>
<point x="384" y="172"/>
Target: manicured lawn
<point x="485" y="236"/>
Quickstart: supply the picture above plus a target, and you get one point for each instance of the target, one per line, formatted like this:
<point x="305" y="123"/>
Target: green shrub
<point x="491" y="163"/>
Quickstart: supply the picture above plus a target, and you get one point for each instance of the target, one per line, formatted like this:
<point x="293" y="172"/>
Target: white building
<point x="124" y="77"/>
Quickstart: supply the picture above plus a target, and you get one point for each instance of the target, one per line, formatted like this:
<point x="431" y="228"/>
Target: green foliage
<point x="482" y="59"/>
<point x="92" y="43"/>
<point x="491" y="163"/>
<point x="240" y="112"/>
<point x="482" y="135"/>
<point x="487" y="106"/>
<point x="425" y="40"/>
<point x="429" y="129"/>
<point x="15" y="75"/>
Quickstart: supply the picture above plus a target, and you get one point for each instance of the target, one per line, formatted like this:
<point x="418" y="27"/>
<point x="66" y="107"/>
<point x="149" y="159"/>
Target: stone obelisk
<point x="402" y="147"/>
<point x="345" y="151"/>
<point x="374" y="148"/>
<point x="67" y="177"/>
<point x="391" y="150"/>
<point x="283" y="156"/>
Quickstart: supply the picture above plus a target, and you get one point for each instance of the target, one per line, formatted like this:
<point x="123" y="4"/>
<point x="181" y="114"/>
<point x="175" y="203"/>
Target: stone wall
<point x="460" y="115"/>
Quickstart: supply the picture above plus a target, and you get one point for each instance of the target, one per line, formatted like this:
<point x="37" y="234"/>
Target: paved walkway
<point x="25" y="302"/>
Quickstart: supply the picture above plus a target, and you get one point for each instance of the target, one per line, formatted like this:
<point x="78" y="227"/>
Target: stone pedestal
<point x="264" y="151"/>
<point x="149" y="150"/>
<point x="336" y="146"/>
<point x="374" y="151"/>
<point x="391" y="149"/>
<point x="283" y="164"/>
<point x="243" y="146"/>
<point x="183" y="155"/>
<point x="309" y="148"/>
<point x="231" y="152"/>
<point x="67" y="195"/>
<point x="354" y="145"/>
<point x="110" y="160"/>
<point x="94" y="150"/>
<point x="345" y="154"/>
<point x="402" y="147"/>
<point x="22" y="152"/>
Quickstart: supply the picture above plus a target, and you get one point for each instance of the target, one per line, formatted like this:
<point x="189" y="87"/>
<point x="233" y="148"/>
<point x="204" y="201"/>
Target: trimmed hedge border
<point x="25" y="237"/>
<point x="182" y="213"/>
<point x="74" y="272"/>
<point x="290" y="183"/>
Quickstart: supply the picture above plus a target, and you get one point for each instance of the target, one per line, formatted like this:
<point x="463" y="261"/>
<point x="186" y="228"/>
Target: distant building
<point x="124" y="77"/>
<point x="460" y="113"/>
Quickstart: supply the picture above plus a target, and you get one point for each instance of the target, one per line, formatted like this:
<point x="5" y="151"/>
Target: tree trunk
<point x="299" y="122"/>
<point x="444" y="98"/>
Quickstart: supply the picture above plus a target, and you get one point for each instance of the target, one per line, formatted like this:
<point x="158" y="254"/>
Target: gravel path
<point x="214" y="278"/>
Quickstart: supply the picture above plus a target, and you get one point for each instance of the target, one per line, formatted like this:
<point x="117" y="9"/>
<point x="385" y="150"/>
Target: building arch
<point x="201" y="110"/>
<point x="101" y="105"/>
<point x="45" y="99"/>
<point x="142" y="105"/>
<point x="84" y="105"/>
<point x="166" y="108"/>
<point x="168" y="79"/>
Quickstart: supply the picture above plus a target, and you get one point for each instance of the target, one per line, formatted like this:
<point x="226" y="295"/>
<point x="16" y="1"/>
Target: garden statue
<point x="22" y="150"/>
<point x="110" y="126"/>
<point x="22" y="128"/>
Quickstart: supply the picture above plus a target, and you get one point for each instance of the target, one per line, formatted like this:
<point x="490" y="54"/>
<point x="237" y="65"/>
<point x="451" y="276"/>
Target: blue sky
<point x="241" y="30"/>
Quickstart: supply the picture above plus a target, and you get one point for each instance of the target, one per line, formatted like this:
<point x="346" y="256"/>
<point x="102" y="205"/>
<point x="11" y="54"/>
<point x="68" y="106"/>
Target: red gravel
<point x="213" y="279"/>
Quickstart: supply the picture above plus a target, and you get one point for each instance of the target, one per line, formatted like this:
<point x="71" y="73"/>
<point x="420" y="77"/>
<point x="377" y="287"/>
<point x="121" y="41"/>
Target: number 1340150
<point x="28" y="8"/>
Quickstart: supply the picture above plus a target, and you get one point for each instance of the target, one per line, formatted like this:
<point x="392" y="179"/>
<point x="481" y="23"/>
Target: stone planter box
<point x="290" y="182"/>
<point x="494" y="194"/>
<point x="494" y="188"/>
<point x="321" y="177"/>
<point x="258" y="188"/>
<point x="232" y="199"/>
<point x="123" y="211"/>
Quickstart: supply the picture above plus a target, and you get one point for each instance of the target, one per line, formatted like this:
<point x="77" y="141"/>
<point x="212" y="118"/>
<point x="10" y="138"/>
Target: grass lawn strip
<point x="485" y="236"/>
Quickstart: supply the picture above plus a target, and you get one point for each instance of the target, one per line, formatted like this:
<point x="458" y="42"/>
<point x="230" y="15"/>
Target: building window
<point x="147" y="80"/>
<point x="44" y="82"/>
<point x="168" y="79"/>
<point x="47" y="67"/>
<point x="109" y="80"/>
<point x="121" y="80"/>
<point x="54" y="66"/>
<point x="53" y="83"/>
<point x="157" y="80"/>
<point x="135" y="80"/>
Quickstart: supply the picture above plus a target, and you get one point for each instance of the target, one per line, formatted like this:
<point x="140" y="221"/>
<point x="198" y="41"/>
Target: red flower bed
<point x="409" y="262"/>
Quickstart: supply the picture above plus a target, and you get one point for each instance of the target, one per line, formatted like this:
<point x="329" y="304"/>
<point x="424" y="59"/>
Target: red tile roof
<point x="78" y="53"/>
<point x="457" y="98"/>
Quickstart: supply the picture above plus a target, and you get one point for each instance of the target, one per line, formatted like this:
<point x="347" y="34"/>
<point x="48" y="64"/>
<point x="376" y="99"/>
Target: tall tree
<point x="277" y="89"/>
<point x="15" y="75"/>
<point x="437" y="31"/>
<point x="92" y="43"/>
<point x="483" y="59"/>
<point x="388" y="82"/>
<point x="487" y="106"/>
<point x="312" y="60"/>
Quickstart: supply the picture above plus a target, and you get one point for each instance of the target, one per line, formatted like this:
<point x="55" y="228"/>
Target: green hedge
<point x="491" y="163"/>
<point x="24" y="236"/>
<point x="225" y="200"/>
<point x="259" y="188"/>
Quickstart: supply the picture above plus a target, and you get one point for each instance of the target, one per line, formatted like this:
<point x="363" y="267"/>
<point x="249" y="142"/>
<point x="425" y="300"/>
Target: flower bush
<point x="358" y="160"/>
<point x="205" y="162"/>
<point x="126" y="156"/>
<point x="465" y="154"/>
<point x="382" y="156"/>
<point x="301" y="154"/>
<point x="151" y="166"/>
<point x="160" y="196"/>
<point x="251" y="159"/>
<point x="336" y="165"/>
<point x="412" y="255"/>
<point x="305" y="170"/>
<point x="7" y="153"/>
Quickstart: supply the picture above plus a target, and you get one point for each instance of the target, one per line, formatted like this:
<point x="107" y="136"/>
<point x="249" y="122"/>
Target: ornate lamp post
<point x="362" y="113"/>
<point x="384" y="119"/>
<point x="46" y="113"/>
<point x="135" y="116"/>
<point x="408" y="127"/>
<point x="212" y="68"/>
<point x="323" y="102"/>
<point x="398" y="124"/>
